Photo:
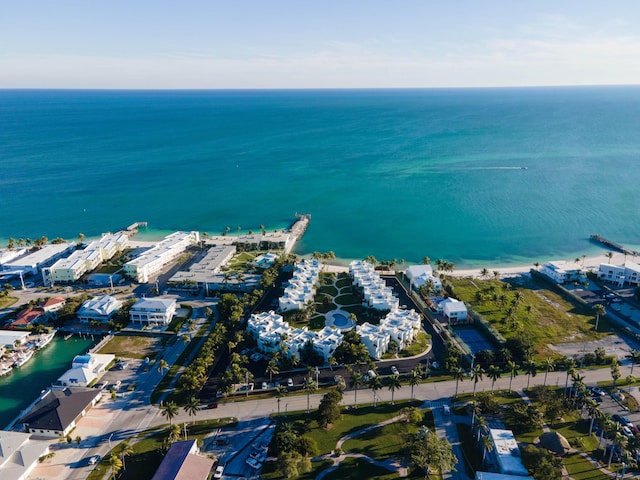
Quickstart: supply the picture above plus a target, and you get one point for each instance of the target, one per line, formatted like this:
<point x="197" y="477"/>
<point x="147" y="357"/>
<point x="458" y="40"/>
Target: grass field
<point x="358" y="469"/>
<point x="545" y="316"/>
<point x="133" y="347"/>
<point x="7" y="301"/>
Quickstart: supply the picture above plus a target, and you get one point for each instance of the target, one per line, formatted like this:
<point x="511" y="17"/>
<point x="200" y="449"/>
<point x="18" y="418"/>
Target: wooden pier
<point x="596" y="237"/>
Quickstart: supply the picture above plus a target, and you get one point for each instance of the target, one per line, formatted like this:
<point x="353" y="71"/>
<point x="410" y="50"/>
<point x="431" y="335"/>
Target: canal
<point x="21" y="387"/>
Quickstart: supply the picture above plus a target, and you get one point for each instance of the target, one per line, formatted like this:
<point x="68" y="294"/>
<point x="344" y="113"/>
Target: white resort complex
<point x="629" y="273"/>
<point x="420" y="275"/>
<point x="302" y="286"/>
<point x="156" y="258"/>
<point x="399" y="326"/>
<point x="377" y="294"/>
<point x="564" y="272"/>
<point x="272" y="333"/>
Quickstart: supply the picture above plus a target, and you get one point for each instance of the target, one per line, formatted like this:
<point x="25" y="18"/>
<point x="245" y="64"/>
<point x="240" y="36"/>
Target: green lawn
<point x="343" y="281"/>
<point x="579" y="468"/>
<point x="7" y="301"/>
<point x="327" y="290"/>
<point x="133" y="346"/>
<point x="420" y="344"/>
<point x="552" y="319"/>
<point x="358" y="469"/>
<point x="349" y="298"/>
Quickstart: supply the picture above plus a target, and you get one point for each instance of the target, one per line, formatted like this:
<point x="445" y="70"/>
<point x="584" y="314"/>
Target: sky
<point x="161" y="44"/>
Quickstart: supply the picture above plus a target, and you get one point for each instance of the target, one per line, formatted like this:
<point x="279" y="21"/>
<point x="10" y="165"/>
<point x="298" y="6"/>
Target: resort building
<point x="206" y="272"/>
<point x="505" y="453"/>
<point x="419" y="275"/>
<point x="399" y="326"/>
<point x="152" y="261"/>
<point x="302" y="286"/>
<point x="19" y="454"/>
<point x="454" y="310"/>
<point x="375" y="339"/>
<point x="629" y="273"/>
<point x="153" y="311"/>
<point x="85" y="369"/>
<point x="33" y="262"/>
<point x="377" y="295"/>
<point x="265" y="260"/>
<point x="7" y="255"/>
<point x="271" y="332"/>
<point x="58" y="411"/>
<point x="100" y="309"/>
<point x="562" y="272"/>
<point x="183" y="462"/>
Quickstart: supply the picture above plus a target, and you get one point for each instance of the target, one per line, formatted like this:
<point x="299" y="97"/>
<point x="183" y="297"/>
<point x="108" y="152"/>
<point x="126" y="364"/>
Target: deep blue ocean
<point x="473" y="176"/>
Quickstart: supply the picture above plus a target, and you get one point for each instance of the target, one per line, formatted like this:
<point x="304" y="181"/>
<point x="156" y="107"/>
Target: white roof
<point x="153" y="304"/>
<point x="103" y="305"/>
<point x="39" y="256"/>
<point x="18" y="453"/>
<point x="9" y="337"/>
<point x="77" y="376"/>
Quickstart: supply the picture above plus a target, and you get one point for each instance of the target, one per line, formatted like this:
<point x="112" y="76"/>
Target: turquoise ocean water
<point x="474" y="176"/>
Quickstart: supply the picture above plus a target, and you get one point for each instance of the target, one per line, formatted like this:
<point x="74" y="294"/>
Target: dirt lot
<point x="133" y="346"/>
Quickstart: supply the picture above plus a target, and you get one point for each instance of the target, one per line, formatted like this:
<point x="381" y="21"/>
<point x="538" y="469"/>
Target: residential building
<point x="19" y="454"/>
<point x="628" y="274"/>
<point x="377" y="295"/>
<point x="375" y="339"/>
<point x="84" y="370"/>
<point x="152" y="261"/>
<point x="183" y="462"/>
<point x="28" y="317"/>
<point x="419" y="275"/>
<point x="53" y="304"/>
<point x="562" y="272"/>
<point x="100" y="309"/>
<point x="302" y="287"/>
<point x="399" y="326"/>
<point x="153" y="311"/>
<point x="454" y="310"/>
<point x="9" y="339"/>
<point x="207" y="271"/>
<point x="37" y="260"/>
<point x="58" y="411"/>
<point x="265" y="260"/>
<point x="505" y="453"/>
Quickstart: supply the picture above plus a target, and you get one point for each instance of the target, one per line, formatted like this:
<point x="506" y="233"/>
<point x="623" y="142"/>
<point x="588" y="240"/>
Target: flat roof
<point x="39" y="256"/>
<point x="9" y="337"/>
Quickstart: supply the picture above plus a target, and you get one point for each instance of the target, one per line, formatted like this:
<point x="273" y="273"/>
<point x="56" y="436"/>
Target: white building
<point x="629" y="273"/>
<point x="265" y="260"/>
<point x="206" y="271"/>
<point x="399" y="326"/>
<point x="156" y="258"/>
<point x="454" y="310"/>
<point x="506" y="452"/>
<point x="19" y="454"/>
<point x="419" y="275"/>
<point x="156" y="311"/>
<point x="377" y="294"/>
<point x="33" y="262"/>
<point x="7" y="255"/>
<point x="85" y="369"/>
<point x="375" y="339"/>
<point x="271" y="332"/>
<point x="302" y="286"/>
<point x="100" y="309"/>
<point x="564" y="272"/>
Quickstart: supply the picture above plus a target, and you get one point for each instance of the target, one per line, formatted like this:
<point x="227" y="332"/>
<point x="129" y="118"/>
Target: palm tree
<point x="487" y="446"/>
<point x="458" y="375"/>
<point x="484" y="273"/>
<point x="609" y="255"/>
<point x="280" y="391"/>
<point x="606" y="425"/>
<point x="615" y="372"/>
<point x="549" y="365"/>
<point x="393" y="384"/>
<point x="174" y="433"/>
<point x="512" y="368"/>
<point x="496" y="275"/>
<point x="571" y="369"/>
<point x="125" y="450"/>
<point x="481" y="426"/>
<point x="116" y="465"/>
<point x="309" y="385"/>
<point x="375" y="384"/>
<point x="494" y="374"/>
<point x="162" y="366"/>
<point x="415" y="377"/>
<point x="332" y="362"/>
<point x="169" y="410"/>
<point x="634" y="355"/>
<point x="356" y="382"/>
<point x="272" y="369"/>
<point x="192" y="407"/>
<point x="577" y="381"/>
<point x="531" y="369"/>
<point x="592" y="408"/>
<point x="600" y="310"/>
<point x="476" y="375"/>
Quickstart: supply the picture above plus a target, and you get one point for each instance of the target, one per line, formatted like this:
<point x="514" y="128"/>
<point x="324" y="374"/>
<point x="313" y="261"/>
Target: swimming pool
<point x="340" y="321"/>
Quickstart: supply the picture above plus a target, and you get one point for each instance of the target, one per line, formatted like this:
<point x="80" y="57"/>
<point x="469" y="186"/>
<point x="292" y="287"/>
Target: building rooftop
<point x="56" y="409"/>
<point x="182" y="463"/>
<point x="18" y="453"/>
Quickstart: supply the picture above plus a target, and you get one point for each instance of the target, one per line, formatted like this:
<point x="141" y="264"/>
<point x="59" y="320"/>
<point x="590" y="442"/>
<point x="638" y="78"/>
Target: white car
<point x="93" y="460"/>
<point x="219" y="471"/>
<point x="253" y="463"/>
<point x="394" y="370"/>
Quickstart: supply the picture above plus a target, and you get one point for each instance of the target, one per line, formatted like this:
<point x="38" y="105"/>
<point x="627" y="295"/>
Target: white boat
<point x="45" y="339"/>
<point x="5" y="369"/>
<point x="23" y="358"/>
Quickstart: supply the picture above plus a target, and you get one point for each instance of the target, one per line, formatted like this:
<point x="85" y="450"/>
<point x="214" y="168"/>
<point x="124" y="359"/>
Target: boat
<point x="45" y="339"/>
<point x="23" y="358"/>
<point x="5" y="369"/>
<point x="67" y="337"/>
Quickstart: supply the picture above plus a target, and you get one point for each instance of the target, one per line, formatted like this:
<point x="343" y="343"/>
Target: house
<point x="9" y="339"/>
<point x="58" y="411"/>
<point x="28" y="317"/>
<point x="376" y="340"/>
<point x="85" y="369"/>
<point x="454" y="310"/>
<point x="53" y="304"/>
<point x="419" y="275"/>
<point x="100" y="309"/>
<point x="562" y="272"/>
<point x="156" y="311"/>
<point x="152" y="261"/>
<point x="182" y="462"/>
<point x="629" y="273"/>
<point x="505" y="453"/>
<point x="19" y="454"/>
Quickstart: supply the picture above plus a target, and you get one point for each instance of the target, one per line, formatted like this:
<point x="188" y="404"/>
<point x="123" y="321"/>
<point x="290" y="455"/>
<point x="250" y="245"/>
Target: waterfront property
<point x="153" y="311"/>
<point x="99" y="309"/>
<point x="57" y="411"/>
<point x="454" y="310"/>
<point x="39" y="314"/>
<point x="35" y="261"/>
<point x="302" y="286"/>
<point x="204" y="273"/>
<point x="19" y="454"/>
<point x="85" y="369"/>
<point x="629" y="273"/>
<point x="152" y="261"/>
<point x="265" y="260"/>
<point x="420" y="275"/>
<point x="399" y="326"/>
<point x="564" y="272"/>
<point x="183" y="462"/>
<point x="377" y="295"/>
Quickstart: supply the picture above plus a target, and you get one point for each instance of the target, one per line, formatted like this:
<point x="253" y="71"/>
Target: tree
<point x="570" y="365"/>
<point x="415" y="377"/>
<point x="476" y="375"/>
<point x="169" y="410"/>
<point x="393" y="384"/>
<point x="280" y="391"/>
<point x="634" y="355"/>
<point x="541" y="463"/>
<point x="116" y="465"/>
<point x="531" y="369"/>
<point x="512" y="368"/>
<point x="484" y="273"/>
<point x="162" y="366"/>
<point x="549" y="365"/>
<point x="329" y="408"/>
<point x="192" y="407"/>
<point x="609" y="255"/>
<point x="431" y="454"/>
<point x="355" y="382"/>
<point x="494" y="374"/>
<point x="458" y="375"/>
<point x="375" y="384"/>
<point x="308" y="385"/>
<point x="615" y="372"/>
<point x="487" y="446"/>
<point x="481" y="426"/>
<point x="272" y="369"/>
<point x="125" y="450"/>
<point x="600" y="310"/>
<point x="592" y="408"/>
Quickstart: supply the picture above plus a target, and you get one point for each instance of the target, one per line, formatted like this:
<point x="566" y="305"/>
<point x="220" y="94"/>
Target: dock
<point x="596" y="237"/>
<point x="133" y="228"/>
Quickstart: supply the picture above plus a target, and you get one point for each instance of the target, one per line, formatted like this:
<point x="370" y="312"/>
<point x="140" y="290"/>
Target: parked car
<point x="625" y="421"/>
<point x="394" y="370"/>
<point x="213" y="405"/>
<point x="253" y="463"/>
<point x="219" y="471"/>
<point x="289" y="382"/>
<point x="264" y="385"/>
<point x="597" y="391"/>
